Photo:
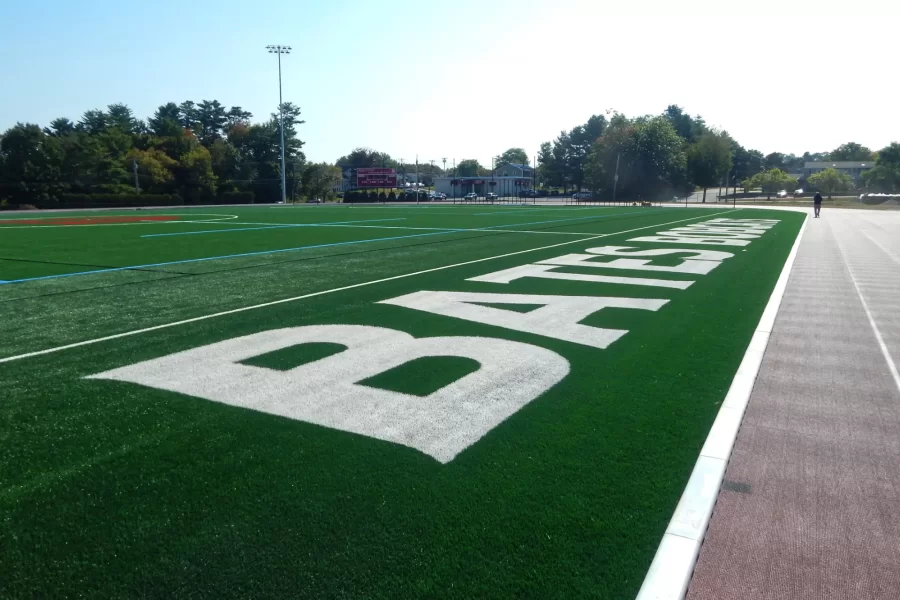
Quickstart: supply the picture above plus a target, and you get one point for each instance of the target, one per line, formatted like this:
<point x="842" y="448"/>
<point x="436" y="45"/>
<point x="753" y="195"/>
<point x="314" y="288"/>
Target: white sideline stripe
<point x="892" y="366"/>
<point x="673" y="565"/>
<point x="340" y="289"/>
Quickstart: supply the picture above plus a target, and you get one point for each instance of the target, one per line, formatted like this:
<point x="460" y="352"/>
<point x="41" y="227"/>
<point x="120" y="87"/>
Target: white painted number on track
<point x="325" y="392"/>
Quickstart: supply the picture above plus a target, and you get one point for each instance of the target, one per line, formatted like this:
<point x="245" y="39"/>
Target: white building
<point x="852" y="168"/>
<point x="507" y="180"/>
<point x="514" y="170"/>
<point x="457" y="187"/>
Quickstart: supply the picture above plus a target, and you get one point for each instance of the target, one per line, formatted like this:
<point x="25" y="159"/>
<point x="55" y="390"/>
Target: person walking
<point x="817" y="203"/>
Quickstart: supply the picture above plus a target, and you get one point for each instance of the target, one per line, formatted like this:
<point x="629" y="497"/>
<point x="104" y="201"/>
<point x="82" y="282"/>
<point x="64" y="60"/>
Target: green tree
<point x="885" y="177"/>
<point x="688" y="128"/>
<point x="851" y="151"/>
<point x="469" y="168"/>
<point x="651" y="157"/>
<point x="93" y="122"/>
<point x="237" y="115"/>
<point x="187" y="114"/>
<point x="516" y="156"/>
<point x="154" y="169"/>
<point x="211" y="121"/>
<point x="830" y="181"/>
<point x="709" y="160"/>
<point x="775" y="160"/>
<point x="122" y="118"/>
<point x="361" y="158"/>
<point x="60" y="127"/>
<point x="31" y="165"/>
<point x="771" y="182"/>
<point x="166" y="121"/>
<point x="319" y="180"/>
<point x="747" y="163"/>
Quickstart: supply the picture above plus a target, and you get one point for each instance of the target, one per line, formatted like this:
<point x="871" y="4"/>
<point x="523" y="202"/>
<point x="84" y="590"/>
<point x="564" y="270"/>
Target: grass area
<point x="115" y="489"/>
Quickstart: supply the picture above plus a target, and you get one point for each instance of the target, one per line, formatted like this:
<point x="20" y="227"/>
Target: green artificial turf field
<point x="331" y="451"/>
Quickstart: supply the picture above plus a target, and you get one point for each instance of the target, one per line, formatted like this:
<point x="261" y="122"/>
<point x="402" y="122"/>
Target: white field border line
<point x="672" y="567"/>
<point x="148" y="222"/>
<point x="885" y="352"/>
<point x="339" y="289"/>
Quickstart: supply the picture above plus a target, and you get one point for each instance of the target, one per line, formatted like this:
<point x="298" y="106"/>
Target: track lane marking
<point x="885" y="351"/>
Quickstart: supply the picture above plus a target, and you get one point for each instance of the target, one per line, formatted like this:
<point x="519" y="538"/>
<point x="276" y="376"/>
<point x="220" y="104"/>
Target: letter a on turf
<point x="326" y="392"/>
<point x="558" y="317"/>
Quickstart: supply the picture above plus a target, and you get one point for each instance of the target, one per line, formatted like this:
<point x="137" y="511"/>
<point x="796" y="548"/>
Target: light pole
<point x="279" y="50"/>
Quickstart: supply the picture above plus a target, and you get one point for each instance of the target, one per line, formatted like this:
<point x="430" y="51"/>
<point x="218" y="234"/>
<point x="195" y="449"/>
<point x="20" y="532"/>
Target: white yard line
<point x="339" y="289"/>
<point x="672" y="566"/>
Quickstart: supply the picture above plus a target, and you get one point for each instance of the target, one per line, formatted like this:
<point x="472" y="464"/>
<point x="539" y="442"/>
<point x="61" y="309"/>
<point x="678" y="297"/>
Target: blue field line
<point x="150" y="235"/>
<point x="194" y="260"/>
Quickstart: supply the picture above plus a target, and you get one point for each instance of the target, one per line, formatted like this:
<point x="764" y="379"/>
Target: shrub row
<point x="372" y="196"/>
<point x="236" y="198"/>
<point x="111" y="200"/>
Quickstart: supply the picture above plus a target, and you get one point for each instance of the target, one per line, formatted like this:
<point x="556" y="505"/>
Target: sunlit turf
<point x="110" y="489"/>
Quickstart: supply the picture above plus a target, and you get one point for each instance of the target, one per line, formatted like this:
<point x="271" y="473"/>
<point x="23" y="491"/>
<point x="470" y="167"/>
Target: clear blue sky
<point x="467" y="78"/>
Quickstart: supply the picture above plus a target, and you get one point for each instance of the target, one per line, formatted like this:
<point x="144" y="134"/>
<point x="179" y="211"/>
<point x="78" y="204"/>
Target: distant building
<point x="852" y="168"/>
<point x="513" y="170"/>
<point x="503" y="186"/>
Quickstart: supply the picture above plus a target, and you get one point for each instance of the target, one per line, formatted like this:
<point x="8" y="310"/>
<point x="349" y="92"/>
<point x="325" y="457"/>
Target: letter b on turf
<point x="326" y="392"/>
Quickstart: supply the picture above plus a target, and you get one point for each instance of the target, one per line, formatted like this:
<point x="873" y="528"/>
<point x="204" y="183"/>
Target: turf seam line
<point x="673" y="565"/>
<point x="339" y="289"/>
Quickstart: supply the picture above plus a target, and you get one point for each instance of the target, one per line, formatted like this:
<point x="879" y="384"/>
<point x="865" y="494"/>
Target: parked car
<point x="491" y="196"/>
<point x="471" y="196"/>
<point x="582" y="196"/>
<point x="798" y="193"/>
<point x="782" y="194"/>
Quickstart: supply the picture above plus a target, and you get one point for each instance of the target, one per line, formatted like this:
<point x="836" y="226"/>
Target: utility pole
<point x="417" y="178"/>
<point x="279" y="50"/>
<point x="137" y="187"/>
<point x="616" y="178"/>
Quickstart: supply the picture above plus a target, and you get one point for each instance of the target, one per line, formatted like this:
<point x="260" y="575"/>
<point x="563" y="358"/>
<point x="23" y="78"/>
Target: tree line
<point x="198" y="153"/>
<point x="674" y="153"/>
<point x="206" y="152"/>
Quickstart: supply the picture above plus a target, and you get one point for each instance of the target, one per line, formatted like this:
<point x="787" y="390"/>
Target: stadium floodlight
<point x="279" y="50"/>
